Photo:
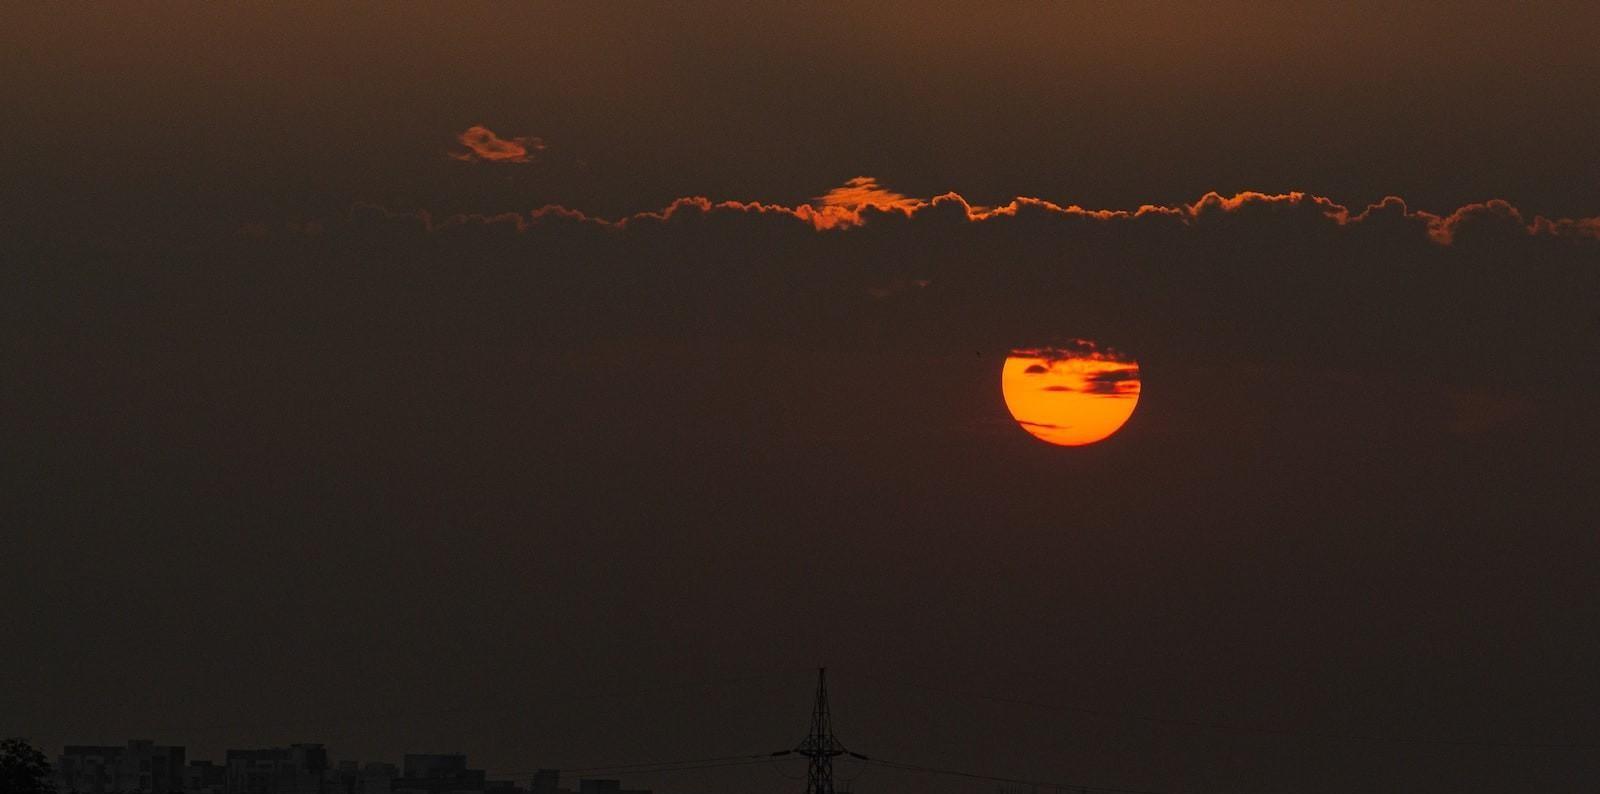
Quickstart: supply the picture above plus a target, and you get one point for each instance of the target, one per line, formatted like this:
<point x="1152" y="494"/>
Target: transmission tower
<point x="820" y="746"/>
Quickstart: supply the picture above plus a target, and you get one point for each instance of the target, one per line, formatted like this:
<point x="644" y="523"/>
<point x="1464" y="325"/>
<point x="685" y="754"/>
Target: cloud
<point x="1072" y="350"/>
<point x="483" y="145"/>
<point x="864" y="191"/>
<point x="1113" y="383"/>
<point x="861" y="201"/>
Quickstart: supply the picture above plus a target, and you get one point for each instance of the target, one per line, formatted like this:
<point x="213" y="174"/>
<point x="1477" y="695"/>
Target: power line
<point x="820" y="747"/>
<point x="652" y="767"/>
<point x="1076" y="787"/>
<point x="661" y="769"/>
<point x="624" y="767"/>
<point x="1225" y="727"/>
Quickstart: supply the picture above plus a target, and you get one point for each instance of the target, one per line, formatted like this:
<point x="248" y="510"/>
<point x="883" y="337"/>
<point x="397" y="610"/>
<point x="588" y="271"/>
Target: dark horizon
<point x="303" y="766"/>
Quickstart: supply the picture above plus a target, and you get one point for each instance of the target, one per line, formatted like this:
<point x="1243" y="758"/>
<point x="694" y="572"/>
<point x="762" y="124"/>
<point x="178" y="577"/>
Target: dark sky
<point x="295" y="453"/>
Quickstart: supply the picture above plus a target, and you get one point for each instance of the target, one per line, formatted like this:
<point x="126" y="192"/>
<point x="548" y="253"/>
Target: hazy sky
<point x="297" y="453"/>
<point x="284" y="107"/>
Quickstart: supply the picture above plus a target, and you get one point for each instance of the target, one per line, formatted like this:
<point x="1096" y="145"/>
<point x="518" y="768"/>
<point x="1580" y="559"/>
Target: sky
<point x="563" y="385"/>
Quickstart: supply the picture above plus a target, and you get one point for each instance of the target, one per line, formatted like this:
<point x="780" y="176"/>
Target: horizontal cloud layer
<point x="861" y="199"/>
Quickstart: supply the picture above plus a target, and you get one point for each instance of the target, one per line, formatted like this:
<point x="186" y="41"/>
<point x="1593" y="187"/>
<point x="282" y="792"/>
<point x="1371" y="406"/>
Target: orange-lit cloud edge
<point x="484" y="145"/>
<point x="855" y="203"/>
<point x="1075" y="349"/>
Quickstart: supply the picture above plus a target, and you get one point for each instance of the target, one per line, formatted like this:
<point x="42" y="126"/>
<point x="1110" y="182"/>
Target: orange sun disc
<point x="1072" y="395"/>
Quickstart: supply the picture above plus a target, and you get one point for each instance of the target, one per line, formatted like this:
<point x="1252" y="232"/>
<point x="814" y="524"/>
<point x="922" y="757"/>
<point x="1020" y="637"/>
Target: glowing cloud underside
<point x="854" y="203"/>
<point x="1069" y="397"/>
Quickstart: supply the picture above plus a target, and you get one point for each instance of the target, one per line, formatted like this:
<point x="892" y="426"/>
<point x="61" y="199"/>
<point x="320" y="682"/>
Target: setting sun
<point x="1072" y="395"/>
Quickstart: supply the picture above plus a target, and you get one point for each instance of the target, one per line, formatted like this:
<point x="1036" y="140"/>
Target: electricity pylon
<point x="820" y="746"/>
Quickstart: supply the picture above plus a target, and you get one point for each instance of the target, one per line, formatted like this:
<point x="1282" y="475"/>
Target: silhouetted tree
<point x="24" y="770"/>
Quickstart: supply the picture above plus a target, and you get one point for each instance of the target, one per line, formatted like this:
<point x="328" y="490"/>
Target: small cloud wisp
<point x="484" y="146"/>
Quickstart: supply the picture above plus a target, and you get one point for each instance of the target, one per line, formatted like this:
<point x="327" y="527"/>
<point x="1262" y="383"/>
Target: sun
<point x="1071" y="395"/>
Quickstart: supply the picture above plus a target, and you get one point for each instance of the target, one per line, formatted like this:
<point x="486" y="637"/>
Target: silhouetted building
<point x="607" y="787"/>
<point x="426" y="773"/>
<point x="205" y="777"/>
<point x="344" y="778"/>
<point x="378" y="778"/>
<point x="546" y="781"/>
<point x="296" y="769"/>
<point x="142" y="766"/>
